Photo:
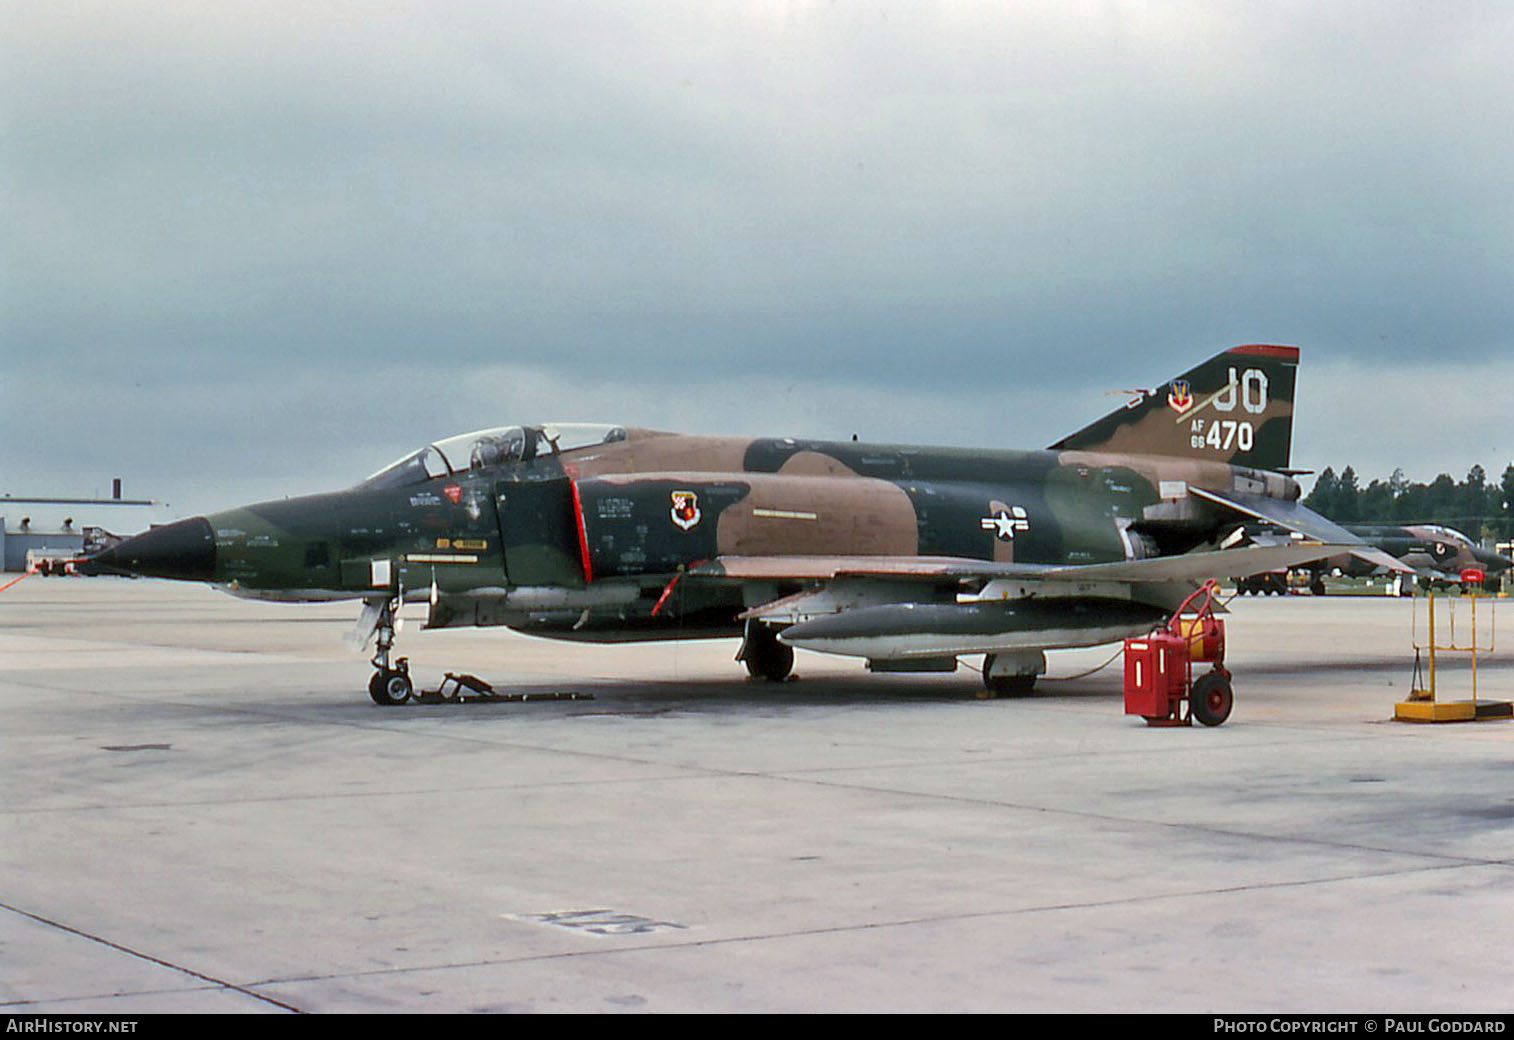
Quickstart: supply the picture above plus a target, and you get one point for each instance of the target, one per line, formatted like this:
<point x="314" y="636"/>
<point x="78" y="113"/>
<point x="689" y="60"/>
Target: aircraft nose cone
<point x="184" y="549"/>
<point x="1491" y="562"/>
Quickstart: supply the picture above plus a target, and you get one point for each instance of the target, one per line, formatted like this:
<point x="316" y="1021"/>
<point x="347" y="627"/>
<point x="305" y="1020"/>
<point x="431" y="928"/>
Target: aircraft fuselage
<point x="586" y="541"/>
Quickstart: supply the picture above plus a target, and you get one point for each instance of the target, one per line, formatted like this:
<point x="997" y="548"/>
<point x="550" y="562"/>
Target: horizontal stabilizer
<point x="1304" y="521"/>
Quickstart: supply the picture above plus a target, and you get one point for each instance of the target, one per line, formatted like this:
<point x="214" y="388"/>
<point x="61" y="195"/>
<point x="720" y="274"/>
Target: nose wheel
<point x="392" y="685"/>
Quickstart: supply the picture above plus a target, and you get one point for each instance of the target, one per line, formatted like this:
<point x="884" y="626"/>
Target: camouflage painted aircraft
<point x="1433" y="553"/>
<point x="1437" y="553"/>
<point x="909" y="557"/>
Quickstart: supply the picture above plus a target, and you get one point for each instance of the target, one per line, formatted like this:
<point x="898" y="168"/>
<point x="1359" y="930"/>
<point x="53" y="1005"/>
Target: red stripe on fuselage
<point x="583" y="533"/>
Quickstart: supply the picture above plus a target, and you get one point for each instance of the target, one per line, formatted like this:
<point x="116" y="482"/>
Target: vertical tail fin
<point x="1237" y="407"/>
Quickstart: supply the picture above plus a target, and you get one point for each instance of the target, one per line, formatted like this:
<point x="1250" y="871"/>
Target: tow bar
<point x="456" y="688"/>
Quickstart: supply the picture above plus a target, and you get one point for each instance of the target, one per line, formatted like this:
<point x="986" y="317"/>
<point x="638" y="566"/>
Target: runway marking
<point x="906" y="922"/>
<point x="598" y="922"/>
<point x="160" y="962"/>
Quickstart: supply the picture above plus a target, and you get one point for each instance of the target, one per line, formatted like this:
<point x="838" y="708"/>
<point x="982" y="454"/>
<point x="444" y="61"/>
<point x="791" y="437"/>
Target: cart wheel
<point x="1211" y="699"/>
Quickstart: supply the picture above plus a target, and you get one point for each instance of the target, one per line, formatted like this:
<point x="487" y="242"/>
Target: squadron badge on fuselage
<point x="685" y="511"/>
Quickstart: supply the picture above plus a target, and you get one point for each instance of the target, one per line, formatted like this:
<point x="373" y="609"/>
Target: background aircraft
<point x="1434" y="553"/>
<point x="1438" y="554"/>
<point x="907" y="556"/>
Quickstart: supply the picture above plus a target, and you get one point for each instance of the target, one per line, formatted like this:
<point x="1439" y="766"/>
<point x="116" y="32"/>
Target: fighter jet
<point x="909" y="557"/>
<point x="1438" y="554"/>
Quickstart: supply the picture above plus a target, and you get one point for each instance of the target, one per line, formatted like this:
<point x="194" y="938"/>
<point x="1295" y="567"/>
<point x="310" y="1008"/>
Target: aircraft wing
<point x="1197" y="566"/>
<point x="935" y="607"/>
<point x="1201" y="566"/>
<point x="1303" y="521"/>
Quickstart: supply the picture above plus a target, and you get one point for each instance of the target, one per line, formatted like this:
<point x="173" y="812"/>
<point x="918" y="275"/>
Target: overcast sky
<point x="261" y="249"/>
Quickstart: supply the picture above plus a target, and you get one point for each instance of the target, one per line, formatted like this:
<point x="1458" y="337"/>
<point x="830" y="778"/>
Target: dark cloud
<point x="255" y="230"/>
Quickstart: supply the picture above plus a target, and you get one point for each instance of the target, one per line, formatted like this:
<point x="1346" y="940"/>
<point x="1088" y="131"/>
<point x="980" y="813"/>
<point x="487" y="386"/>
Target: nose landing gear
<point x="390" y="684"/>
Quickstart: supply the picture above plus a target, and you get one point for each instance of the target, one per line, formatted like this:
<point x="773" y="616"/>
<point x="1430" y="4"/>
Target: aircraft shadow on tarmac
<point x="601" y="696"/>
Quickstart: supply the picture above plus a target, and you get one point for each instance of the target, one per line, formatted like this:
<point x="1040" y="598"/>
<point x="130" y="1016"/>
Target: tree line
<point x="1479" y="509"/>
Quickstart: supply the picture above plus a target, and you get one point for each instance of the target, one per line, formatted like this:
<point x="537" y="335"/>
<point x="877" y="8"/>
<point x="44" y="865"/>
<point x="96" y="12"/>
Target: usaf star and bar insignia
<point x="1005" y="520"/>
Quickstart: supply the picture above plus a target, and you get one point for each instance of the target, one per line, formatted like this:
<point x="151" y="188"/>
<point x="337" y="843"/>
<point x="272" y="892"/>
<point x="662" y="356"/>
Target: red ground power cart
<point x="1159" y="682"/>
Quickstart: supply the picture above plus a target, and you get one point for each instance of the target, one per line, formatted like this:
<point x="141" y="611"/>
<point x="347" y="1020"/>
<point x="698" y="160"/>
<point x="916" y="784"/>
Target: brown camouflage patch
<point x="819" y="515"/>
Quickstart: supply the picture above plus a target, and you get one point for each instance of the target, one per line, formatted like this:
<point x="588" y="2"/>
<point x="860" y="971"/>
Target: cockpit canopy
<point x="1450" y="534"/>
<point x="497" y="447"/>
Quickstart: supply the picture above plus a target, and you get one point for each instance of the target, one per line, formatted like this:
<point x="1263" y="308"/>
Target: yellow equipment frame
<point x="1423" y="705"/>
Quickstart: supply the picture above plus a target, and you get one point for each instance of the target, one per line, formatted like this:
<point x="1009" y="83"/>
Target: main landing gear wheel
<point x="1012" y="685"/>
<point x="764" y="656"/>
<point x="1211" y="699"/>
<point x="1009" y="685"/>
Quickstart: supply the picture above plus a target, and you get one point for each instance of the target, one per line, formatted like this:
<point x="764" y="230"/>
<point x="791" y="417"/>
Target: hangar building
<point x="37" y="528"/>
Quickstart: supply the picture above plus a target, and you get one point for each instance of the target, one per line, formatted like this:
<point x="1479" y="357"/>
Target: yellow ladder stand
<point x="1423" y="705"/>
